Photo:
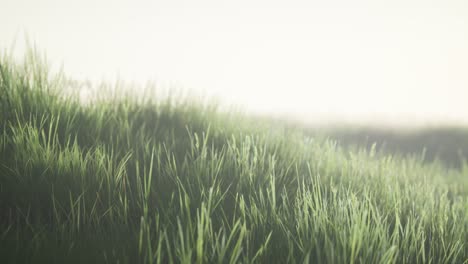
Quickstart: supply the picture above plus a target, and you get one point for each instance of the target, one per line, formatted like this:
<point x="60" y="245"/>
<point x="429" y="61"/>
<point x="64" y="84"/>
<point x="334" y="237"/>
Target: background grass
<point x="131" y="179"/>
<point x="448" y="145"/>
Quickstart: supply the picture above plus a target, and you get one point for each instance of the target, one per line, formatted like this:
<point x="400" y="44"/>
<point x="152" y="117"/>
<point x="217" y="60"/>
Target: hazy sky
<point x="401" y="60"/>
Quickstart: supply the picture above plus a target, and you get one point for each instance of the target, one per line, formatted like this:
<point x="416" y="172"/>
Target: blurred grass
<point x="445" y="144"/>
<point x="175" y="180"/>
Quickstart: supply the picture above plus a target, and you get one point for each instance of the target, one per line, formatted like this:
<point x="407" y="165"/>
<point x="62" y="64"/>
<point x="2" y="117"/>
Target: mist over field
<point x="399" y="62"/>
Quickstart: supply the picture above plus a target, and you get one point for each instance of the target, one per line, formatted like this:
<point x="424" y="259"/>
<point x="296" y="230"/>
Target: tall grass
<point x="168" y="180"/>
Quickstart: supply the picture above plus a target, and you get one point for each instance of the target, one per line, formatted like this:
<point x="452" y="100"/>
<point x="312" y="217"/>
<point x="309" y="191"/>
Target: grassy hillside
<point x="167" y="180"/>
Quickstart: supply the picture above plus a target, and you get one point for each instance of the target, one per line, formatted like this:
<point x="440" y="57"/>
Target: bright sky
<point x="398" y="60"/>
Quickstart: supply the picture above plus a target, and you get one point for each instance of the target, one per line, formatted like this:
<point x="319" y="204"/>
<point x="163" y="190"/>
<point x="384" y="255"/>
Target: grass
<point x="175" y="180"/>
<point x="448" y="145"/>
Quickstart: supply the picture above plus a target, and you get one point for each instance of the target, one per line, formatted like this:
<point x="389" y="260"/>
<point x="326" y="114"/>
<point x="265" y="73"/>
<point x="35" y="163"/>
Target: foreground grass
<point x="138" y="180"/>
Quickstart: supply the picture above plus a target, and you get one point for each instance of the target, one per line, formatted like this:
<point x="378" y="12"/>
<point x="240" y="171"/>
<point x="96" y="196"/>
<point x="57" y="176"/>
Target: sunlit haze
<point x="399" y="61"/>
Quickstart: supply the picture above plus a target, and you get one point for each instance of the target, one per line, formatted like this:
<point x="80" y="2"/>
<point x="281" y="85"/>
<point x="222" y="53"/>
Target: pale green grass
<point x="126" y="180"/>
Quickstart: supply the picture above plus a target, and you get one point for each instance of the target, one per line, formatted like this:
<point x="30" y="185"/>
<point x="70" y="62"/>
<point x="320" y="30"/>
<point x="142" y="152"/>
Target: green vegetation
<point x="140" y="180"/>
<point x="446" y="144"/>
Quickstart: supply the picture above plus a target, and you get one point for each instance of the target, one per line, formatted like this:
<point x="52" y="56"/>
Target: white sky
<point x="398" y="60"/>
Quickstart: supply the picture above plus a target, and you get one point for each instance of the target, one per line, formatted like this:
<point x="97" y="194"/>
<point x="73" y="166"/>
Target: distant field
<point x="448" y="145"/>
<point x="174" y="180"/>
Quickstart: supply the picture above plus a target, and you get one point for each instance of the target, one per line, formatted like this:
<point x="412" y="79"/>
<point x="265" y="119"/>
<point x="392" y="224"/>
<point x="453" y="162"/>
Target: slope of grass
<point x="138" y="180"/>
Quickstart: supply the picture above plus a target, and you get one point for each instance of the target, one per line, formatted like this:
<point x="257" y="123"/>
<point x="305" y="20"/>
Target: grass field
<point x="447" y="144"/>
<point x="175" y="180"/>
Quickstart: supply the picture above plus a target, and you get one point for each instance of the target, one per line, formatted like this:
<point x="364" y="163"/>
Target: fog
<point x="395" y="62"/>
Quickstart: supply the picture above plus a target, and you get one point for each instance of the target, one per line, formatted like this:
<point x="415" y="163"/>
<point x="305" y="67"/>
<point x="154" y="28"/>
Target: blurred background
<point x="393" y="71"/>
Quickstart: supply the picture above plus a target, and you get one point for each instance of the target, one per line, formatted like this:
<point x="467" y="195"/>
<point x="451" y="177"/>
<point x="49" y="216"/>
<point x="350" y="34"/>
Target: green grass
<point x="446" y="144"/>
<point x="174" y="180"/>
